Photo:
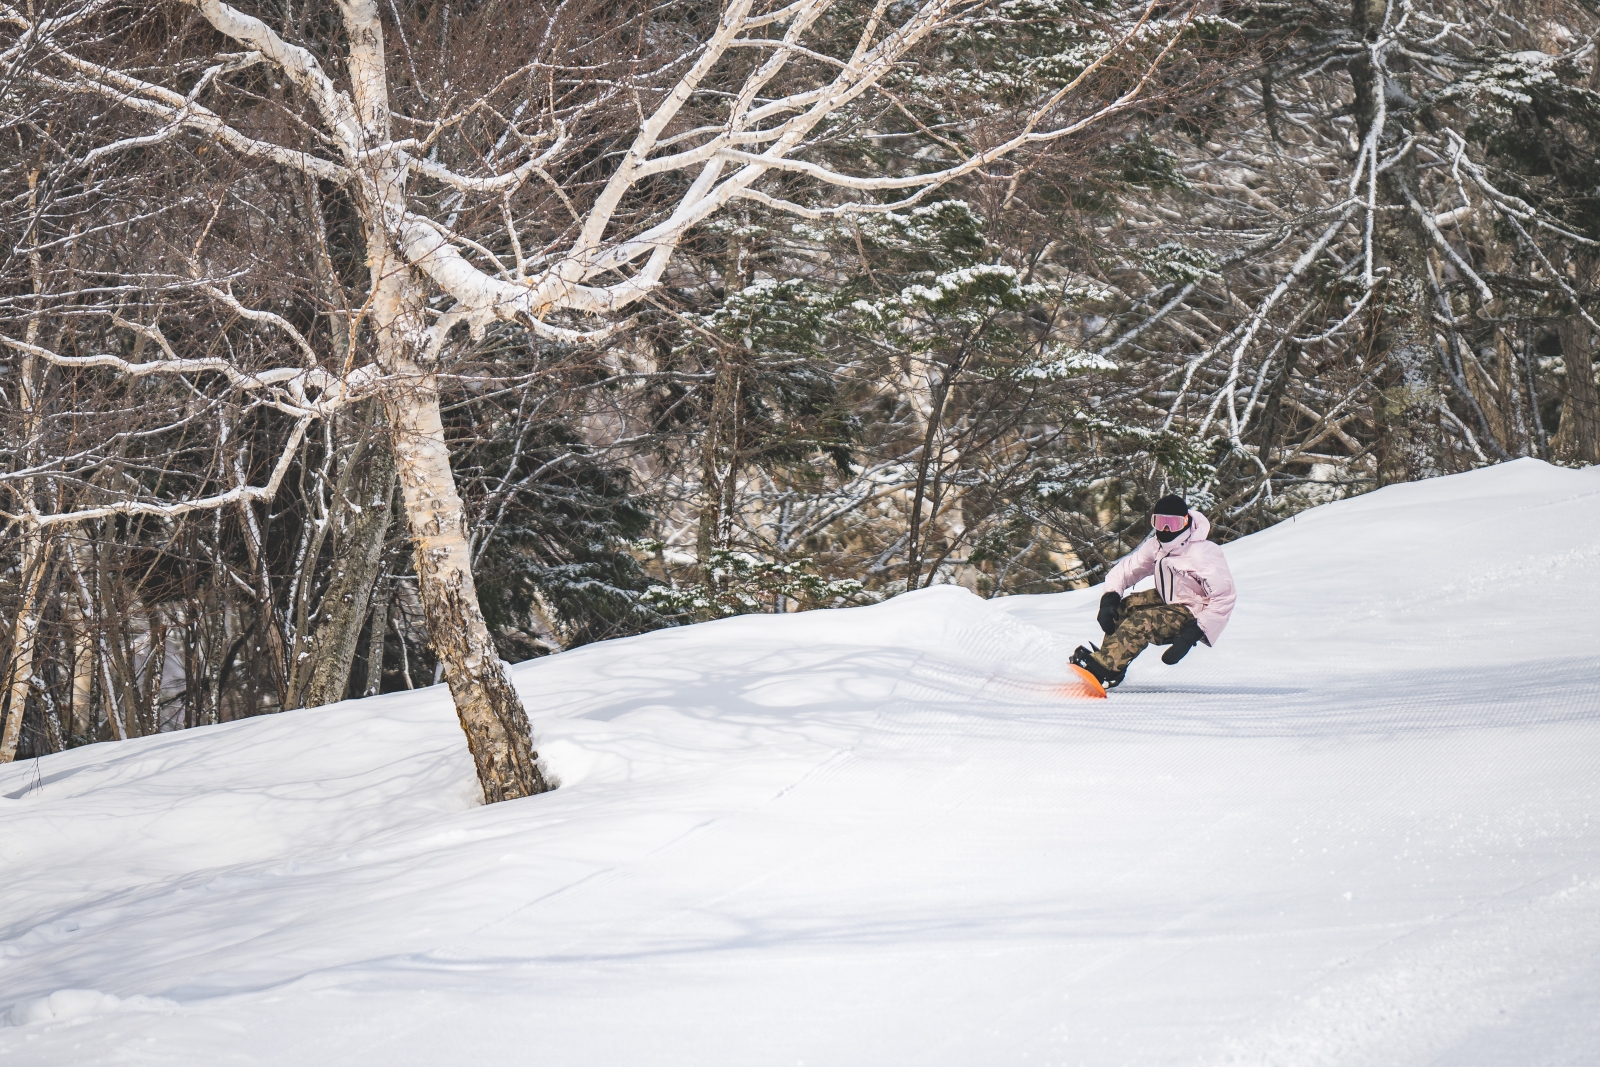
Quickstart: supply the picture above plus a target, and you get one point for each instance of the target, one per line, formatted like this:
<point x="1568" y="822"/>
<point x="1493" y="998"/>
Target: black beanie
<point x="1171" y="504"/>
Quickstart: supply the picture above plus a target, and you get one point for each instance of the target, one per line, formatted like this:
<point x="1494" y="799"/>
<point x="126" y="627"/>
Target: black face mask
<point x="1166" y="538"/>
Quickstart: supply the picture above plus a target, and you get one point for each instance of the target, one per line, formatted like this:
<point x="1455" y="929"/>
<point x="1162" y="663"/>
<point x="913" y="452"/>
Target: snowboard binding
<point x="1083" y="659"/>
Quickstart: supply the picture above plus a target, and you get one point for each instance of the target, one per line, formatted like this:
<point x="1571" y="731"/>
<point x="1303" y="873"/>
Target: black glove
<point x="1187" y="638"/>
<point x="1108" y="612"/>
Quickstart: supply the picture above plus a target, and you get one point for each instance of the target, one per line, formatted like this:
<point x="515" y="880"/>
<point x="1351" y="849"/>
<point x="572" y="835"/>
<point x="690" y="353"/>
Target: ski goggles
<point x="1169" y="523"/>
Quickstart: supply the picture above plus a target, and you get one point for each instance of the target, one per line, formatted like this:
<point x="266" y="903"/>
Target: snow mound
<point x="1361" y="830"/>
<point x="66" y="1004"/>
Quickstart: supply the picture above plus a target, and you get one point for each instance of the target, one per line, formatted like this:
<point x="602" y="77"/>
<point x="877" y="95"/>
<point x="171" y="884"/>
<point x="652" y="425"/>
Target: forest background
<point x="1270" y="254"/>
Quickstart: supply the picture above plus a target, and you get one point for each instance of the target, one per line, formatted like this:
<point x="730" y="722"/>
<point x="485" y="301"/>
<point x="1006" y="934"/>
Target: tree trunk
<point x="1268" y="426"/>
<point x="1409" y="410"/>
<point x="267" y="628"/>
<point x="491" y="714"/>
<point x="1518" y="438"/>
<point x="487" y="704"/>
<point x="383" y="592"/>
<point x="91" y="609"/>
<point x="155" y="668"/>
<point x="916" y="543"/>
<point x="24" y="637"/>
<point x="1578" y="437"/>
<point x="35" y="545"/>
<point x="719" y="459"/>
<point x="344" y="605"/>
<point x="82" y="721"/>
<point x="1485" y="392"/>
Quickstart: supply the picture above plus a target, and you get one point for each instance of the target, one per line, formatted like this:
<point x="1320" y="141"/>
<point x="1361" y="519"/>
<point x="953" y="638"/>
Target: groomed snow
<point x="1364" y="829"/>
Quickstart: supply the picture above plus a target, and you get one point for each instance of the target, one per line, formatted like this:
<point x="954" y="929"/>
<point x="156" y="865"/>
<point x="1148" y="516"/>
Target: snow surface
<point x="1362" y="830"/>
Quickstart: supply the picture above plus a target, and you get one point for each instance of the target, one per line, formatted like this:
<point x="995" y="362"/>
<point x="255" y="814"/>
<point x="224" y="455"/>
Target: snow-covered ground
<point x="1365" y="829"/>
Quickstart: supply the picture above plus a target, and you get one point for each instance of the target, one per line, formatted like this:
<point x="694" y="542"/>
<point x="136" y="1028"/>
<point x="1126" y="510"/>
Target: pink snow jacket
<point x="1189" y="570"/>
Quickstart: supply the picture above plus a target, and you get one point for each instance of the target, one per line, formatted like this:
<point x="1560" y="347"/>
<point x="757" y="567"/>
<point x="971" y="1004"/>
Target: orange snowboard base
<point x="1088" y="685"/>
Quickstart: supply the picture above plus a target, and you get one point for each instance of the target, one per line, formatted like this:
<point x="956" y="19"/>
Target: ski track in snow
<point x="1364" y="829"/>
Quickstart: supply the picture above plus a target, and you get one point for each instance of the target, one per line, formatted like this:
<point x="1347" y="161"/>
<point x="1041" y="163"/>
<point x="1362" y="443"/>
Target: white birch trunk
<point x="82" y="721"/>
<point x="490" y="711"/>
<point x="108" y="684"/>
<point x="31" y="569"/>
<point x="24" y="635"/>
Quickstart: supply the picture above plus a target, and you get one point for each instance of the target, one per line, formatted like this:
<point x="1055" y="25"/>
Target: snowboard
<point x="1083" y="684"/>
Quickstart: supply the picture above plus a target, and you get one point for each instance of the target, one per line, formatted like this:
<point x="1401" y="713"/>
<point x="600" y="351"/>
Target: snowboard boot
<point x="1108" y="679"/>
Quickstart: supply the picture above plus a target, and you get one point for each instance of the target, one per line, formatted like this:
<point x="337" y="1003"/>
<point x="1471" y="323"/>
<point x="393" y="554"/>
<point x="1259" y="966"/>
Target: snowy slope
<point x="1364" y="829"/>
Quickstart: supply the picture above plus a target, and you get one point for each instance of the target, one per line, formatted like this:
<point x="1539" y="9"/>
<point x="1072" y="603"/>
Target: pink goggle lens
<point x="1168" y="523"/>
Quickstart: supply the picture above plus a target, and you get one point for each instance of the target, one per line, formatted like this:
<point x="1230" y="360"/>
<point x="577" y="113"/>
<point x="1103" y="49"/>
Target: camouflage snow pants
<point x="1142" y="620"/>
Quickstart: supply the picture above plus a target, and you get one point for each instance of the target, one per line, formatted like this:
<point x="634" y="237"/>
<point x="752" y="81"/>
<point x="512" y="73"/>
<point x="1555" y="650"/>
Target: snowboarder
<point x="1190" y="603"/>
